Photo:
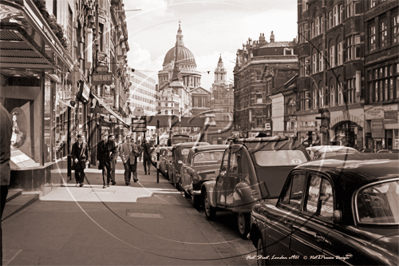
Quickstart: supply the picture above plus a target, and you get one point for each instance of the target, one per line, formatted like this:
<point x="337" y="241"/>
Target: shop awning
<point x="28" y="45"/>
<point x="112" y="112"/>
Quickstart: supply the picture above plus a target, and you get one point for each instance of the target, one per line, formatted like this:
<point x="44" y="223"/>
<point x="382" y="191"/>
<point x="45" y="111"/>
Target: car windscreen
<point x="279" y="157"/>
<point x="208" y="157"/>
<point x="379" y="203"/>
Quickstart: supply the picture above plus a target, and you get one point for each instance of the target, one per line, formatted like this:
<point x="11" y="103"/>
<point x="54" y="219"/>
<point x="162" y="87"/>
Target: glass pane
<point x="379" y="203"/>
<point x="297" y="191"/>
<point x="327" y="200"/>
<point x="281" y="157"/>
<point x="313" y="194"/>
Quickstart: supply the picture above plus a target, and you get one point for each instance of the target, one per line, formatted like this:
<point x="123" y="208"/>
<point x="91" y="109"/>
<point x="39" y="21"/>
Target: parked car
<point x="246" y="164"/>
<point x="164" y="157"/>
<point x="325" y="151"/>
<point x="179" y="155"/>
<point x="387" y="151"/>
<point x="200" y="166"/>
<point x="343" y="210"/>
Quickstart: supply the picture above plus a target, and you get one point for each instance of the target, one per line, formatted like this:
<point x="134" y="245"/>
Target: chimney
<point x="272" y="37"/>
<point x="262" y="39"/>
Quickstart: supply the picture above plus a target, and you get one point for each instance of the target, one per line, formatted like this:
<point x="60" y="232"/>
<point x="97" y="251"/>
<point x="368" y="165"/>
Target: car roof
<point x="357" y="168"/>
<point x="329" y="148"/>
<point x="190" y="144"/>
<point x="210" y="147"/>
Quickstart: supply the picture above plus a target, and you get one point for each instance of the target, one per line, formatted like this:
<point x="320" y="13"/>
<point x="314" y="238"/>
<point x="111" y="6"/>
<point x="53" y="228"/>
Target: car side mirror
<point x="337" y="216"/>
<point x="263" y="189"/>
<point x="180" y="162"/>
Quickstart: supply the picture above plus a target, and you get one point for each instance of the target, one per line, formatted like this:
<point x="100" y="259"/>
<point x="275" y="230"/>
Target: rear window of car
<point x="208" y="157"/>
<point x="280" y="157"/>
<point x="379" y="203"/>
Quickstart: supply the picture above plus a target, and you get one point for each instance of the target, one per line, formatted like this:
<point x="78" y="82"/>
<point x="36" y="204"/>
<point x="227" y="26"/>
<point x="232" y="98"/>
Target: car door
<point x="281" y="218"/>
<point x="185" y="172"/>
<point x="231" y="180"/>
<point x="311" y="228"/>
<point x="221" y="180"/>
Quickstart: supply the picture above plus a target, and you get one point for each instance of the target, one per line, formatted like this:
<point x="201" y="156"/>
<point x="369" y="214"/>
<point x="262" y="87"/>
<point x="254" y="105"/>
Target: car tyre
<point x="260" y="252"/>
<point x="210" y="212"/>
<point x="243" y="224"/>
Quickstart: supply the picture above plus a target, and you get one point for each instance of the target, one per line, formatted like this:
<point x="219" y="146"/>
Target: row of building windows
<point x="143" y="91"/>
<point x="329" y="96"/>
<point x="142" y="99"/>
<point x="383" y="84"/>
<point x="383" y="32"/>
<point x="139" y="82"/>
<point x="335" y="56"/>
<point x="166" y="104"/>
<point x="145" y="107"/>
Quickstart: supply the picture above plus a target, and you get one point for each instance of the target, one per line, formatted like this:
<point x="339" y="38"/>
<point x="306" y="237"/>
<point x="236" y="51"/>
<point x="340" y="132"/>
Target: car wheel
<point x="196" y="201"/>
<point x="210" y="212"/>
<point x="260" y="252"/>
<point x="243" y="224"/>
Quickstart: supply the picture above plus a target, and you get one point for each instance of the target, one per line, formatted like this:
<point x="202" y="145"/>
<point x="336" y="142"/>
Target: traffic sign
<point x="99" y="110"/>
<point x="138" y="111"/>
<point x="102" y="79"/>
<point x="102" y="69"/>
<point x="139" y="128"/>
<point x="139" y="125"/>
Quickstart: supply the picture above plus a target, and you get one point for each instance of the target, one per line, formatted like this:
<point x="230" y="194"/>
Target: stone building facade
<point x="261" y="67"/>
<point x="347" y="65"/>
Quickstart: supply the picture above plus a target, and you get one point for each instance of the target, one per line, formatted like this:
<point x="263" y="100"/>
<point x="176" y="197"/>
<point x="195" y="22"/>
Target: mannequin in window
<point x="18" y="137"/>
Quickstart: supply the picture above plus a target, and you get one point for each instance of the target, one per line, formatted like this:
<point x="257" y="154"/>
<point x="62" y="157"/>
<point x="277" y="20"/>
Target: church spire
<point x="220" y="72"/>
<point x="179" y="36"/>
<point x="176" y="71"/>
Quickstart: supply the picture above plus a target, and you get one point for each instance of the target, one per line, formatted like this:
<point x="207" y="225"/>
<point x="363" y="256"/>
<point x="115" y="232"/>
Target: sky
<point x="210" y="29"/>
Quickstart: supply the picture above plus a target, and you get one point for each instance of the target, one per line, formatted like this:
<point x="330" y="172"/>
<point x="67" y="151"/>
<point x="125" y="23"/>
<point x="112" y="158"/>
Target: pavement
<point x="146" y="223"/>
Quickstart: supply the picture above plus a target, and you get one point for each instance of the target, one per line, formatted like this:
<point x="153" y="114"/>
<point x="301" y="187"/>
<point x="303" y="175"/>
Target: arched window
<point x="326" y="96"/>
<point x="340" y="94"/>
<point x="315" y="97"/>
<point x="321" y="95"/>
<point x="314" y="61"/>
<point x="332" y="53"/>
<point x="332" y="93"/>
<point x="321" y="59"/>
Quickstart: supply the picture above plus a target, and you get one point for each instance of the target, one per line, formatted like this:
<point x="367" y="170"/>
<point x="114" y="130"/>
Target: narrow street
<point x="148" y="223"/>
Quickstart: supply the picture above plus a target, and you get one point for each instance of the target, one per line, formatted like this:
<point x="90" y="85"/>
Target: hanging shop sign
<point x="377" y="128"/>
<point x="102" y="79"/>
<point x="375" y="112"/>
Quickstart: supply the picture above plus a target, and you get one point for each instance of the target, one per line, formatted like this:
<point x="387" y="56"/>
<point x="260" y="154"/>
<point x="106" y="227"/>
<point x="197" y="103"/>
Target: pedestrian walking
<point x="110" y="159"/>
<point x="124" y="153"/>
<point x="5" y="155"/>
<point x="147" y="150"/>
<point x="135" y="151"/>
<point x="80" y="157"/>
<point x="101" y="157"/>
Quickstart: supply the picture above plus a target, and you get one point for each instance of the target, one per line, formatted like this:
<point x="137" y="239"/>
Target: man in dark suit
<point x="110" y="159"/>
<point x="101" y="156"/>
<point x="80" y="156"/>
<point x="147" y="150"/>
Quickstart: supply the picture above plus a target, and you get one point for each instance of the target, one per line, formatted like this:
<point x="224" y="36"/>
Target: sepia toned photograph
<point x="199" y="132"/>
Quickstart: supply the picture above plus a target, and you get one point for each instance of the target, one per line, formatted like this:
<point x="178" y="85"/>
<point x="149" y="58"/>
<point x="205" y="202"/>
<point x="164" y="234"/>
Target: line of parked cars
<point x="317" y="205"/>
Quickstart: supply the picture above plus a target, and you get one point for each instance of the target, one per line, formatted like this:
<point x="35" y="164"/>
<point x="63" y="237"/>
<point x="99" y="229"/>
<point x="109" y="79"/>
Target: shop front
<point x="33" y="67"/>
<point x="347" y="128"/>
<point x="307" y="129"/>
<point x="382" y="127"/>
